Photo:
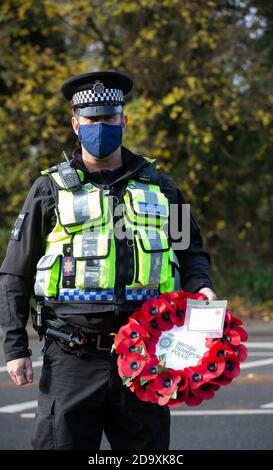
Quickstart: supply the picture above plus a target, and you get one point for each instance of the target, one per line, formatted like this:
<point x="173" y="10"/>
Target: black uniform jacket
<point x="28" y="245"/>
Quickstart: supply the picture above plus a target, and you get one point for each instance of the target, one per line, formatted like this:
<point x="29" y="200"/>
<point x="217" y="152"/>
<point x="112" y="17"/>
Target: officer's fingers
<point x="21" y="378"/>
<point x="13" y="377"/>
<point x="18" y="379"/>
<point x="208" y="293"/>
<point x="12" y="372"/>
<point x="29" y="371"/>
<point x="17" y="370"/>
<point x="19" y="373"/>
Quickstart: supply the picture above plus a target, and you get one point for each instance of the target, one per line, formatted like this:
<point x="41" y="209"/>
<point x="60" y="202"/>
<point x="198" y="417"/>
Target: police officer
<point x="87" y="279"/>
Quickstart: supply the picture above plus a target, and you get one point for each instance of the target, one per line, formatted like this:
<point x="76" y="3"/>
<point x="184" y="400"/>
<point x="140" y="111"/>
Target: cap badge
<point x="98" y="87"/>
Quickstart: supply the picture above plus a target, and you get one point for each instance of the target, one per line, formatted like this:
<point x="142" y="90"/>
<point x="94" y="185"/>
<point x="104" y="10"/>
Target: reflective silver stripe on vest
<point x="43" y="272"/>
<point x="80" y="206"/>
<point x="90" y="242"/>
<point x="39" y="283"/>
<point x="155" y="258"/>
<point x="92" y="274"/>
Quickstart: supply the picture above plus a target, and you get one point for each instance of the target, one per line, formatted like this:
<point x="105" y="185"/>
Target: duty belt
<point x="75" y="339"/>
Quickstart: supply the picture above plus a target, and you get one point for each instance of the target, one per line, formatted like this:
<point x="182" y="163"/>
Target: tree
<point x="202" y="105"/>
<point x="36" y="57"/>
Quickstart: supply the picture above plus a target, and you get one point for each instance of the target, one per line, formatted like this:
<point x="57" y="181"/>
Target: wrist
<point x="18" y="354"/>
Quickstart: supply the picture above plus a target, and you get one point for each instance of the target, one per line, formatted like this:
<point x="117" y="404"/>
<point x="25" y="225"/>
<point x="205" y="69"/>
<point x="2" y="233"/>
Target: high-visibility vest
<point x="81" y="259"/>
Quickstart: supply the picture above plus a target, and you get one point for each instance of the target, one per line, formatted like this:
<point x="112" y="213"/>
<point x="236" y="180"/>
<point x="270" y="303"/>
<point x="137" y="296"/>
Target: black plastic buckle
<point x="99" y="347"/>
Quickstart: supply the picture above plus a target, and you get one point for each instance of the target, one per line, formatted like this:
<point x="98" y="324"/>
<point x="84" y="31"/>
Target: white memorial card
<point x="206" y="317"/>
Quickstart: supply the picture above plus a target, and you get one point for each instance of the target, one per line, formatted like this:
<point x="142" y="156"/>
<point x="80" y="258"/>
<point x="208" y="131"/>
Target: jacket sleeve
<point x="15" y="292"/>
<point x="26" y="246"/>
<point x="194" y="262"/>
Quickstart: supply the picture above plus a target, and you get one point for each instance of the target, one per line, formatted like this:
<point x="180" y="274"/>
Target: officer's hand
<point x="208" y="293"/>
<point x="20" y="370"/>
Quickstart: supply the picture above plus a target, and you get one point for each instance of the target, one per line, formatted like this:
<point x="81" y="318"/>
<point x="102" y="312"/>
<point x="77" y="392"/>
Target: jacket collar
<point x="131" y="164"/>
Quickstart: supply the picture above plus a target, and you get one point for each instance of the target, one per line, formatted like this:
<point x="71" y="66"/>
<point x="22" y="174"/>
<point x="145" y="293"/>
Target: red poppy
<point x="172" y="297"/>
<point x="147" y="394"/>
<point x="222" y="380"/>
<point x="206" y="391"/>
<point x="164" y="321"/>
<point x="242" y="332"/>
<point x="217" y="352"/>
<point x="162" y="318"/>
<point x="163" y="399"/>
<point x="234" y="321"/>
<point x="151" y="327"/>
<point x="198" y="375"/>
<point x="132" y="330"/>
<point x="151" y="369"/>
<point x="189" y="295"/>
<point x="137" y="317"/>
<point x="144" y="392"/>
<point x="181" y="396"/>
<point x="241" y="352"/>
<point x="178" y="315"/>
<point x="214" y="367"/>
<point x="129" y="346"/>
<point x="192" y="400"/>
<point x="131" y="365"/>
<point x="151" y="346"/>
<point x="210" y="341"/>
<point x="135" y="384"/>
<point x="166" y="382"/>
<point x="183" y="382"/>
<point x="232" y="368"/>
<point x="182" y="391"/>
<point x="231" y="337"/>
<point x="154" y="307"/>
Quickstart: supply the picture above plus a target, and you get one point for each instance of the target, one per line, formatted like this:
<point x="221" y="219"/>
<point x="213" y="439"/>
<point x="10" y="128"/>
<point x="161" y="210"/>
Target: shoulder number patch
<point x="17" y="228"/>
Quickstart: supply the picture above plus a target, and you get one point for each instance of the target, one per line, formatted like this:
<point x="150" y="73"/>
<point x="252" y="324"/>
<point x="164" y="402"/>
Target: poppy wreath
<point x="147" y="375"/>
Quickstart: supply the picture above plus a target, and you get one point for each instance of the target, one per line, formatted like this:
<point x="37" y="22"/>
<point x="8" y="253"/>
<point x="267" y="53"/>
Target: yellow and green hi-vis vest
<point x="82" y="259"/>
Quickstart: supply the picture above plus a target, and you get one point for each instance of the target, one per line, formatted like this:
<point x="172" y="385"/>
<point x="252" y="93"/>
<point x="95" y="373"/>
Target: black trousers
<point x="80" y="397"/>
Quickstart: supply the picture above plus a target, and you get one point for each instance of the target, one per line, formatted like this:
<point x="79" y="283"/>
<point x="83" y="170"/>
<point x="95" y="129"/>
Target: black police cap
<point x="97" y="93"/>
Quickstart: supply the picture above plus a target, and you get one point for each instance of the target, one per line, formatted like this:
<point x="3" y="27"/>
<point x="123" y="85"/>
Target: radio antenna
<point x="65" y="156"/>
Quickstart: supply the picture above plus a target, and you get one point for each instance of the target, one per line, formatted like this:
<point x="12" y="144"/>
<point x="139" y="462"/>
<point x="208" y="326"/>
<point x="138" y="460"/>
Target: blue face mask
<point x="100" y="139"/>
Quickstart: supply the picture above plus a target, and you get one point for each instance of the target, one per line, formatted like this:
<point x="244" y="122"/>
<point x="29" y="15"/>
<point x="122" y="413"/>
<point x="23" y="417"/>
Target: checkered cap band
<point x="91" y="97"/>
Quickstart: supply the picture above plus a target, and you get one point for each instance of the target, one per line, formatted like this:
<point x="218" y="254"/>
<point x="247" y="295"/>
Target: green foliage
<point x="255" y="283"/>
<point x="202" y="104"/>
<point x="34" y="123"/>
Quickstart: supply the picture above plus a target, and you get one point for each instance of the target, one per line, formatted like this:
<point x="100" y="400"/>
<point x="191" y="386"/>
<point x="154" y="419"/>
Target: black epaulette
<point x="149" y="172"/>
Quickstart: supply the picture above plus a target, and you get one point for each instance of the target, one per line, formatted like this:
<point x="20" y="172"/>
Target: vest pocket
<point x="47" y="276"/>
<point x="151" y="253"/>
<point x="84" y="206"/>
<point x="95" y="260"/>
<point x="145" y="207"/>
